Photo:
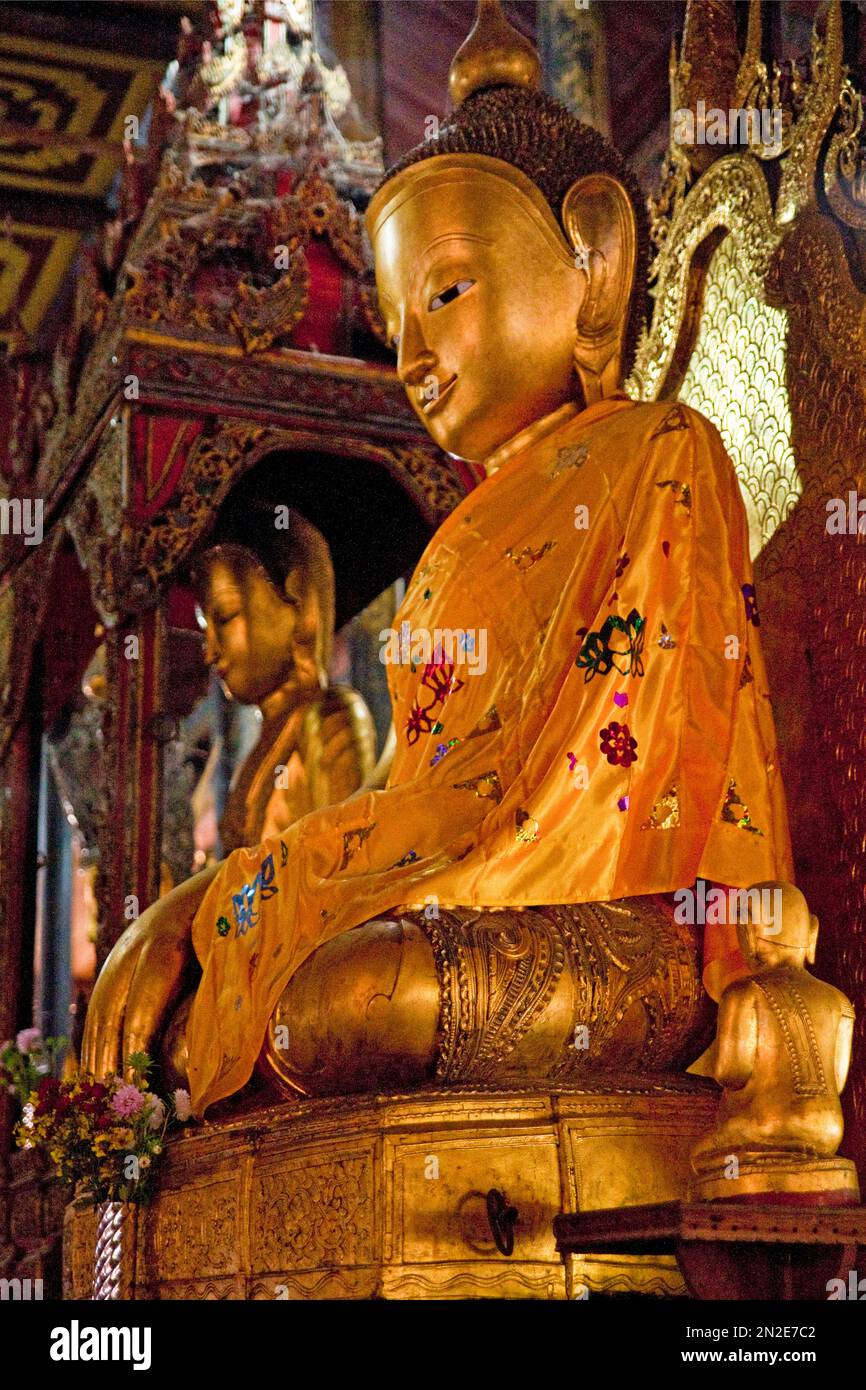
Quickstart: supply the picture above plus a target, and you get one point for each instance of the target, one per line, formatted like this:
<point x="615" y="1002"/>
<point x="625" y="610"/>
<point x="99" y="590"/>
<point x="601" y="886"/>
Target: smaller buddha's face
<point x="249" y="629"/>
<point x="481" y="303"/>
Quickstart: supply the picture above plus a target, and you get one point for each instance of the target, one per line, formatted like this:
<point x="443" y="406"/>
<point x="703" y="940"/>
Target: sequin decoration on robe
<point x="553" y="585"/>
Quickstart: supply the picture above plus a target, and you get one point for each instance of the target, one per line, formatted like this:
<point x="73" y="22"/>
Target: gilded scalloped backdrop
<point x="736" y="377"/>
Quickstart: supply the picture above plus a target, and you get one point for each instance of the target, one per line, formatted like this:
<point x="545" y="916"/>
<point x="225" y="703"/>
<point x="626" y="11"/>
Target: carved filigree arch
<point x="224" y="454"/>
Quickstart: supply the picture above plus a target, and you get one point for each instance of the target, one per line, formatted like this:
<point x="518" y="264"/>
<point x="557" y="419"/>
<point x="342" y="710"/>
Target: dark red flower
<point x="439" y="677"/>
<point x="419" y="722"/>
<point x="617" y="744"/>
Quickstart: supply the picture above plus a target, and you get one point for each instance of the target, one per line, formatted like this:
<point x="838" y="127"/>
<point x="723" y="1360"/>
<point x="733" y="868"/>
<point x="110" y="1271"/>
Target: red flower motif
<point x="617" y="744"/>
<point x="418" y="723"/>
<point x="439" y="677"/>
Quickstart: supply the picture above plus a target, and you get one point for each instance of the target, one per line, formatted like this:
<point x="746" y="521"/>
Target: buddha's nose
<point x="210" y="648"/>
<point x="415" y="359"/>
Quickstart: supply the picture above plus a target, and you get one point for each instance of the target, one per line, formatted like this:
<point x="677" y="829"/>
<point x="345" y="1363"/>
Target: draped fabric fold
<point x="581" y="712"/>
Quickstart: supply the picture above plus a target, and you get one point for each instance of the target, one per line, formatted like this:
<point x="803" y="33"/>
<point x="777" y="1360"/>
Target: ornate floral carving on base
<point x="384" y="1196"/>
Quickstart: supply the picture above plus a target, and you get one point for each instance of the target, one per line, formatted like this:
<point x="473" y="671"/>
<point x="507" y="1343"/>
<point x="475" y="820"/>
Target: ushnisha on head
<point x="267" y="599"/>
<point x="511" y="254"/>
<point x="782" y="931"/>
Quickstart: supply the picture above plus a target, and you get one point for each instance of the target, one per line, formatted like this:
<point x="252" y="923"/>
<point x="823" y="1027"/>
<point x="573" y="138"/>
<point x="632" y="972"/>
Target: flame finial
<point x="494" y="54"/>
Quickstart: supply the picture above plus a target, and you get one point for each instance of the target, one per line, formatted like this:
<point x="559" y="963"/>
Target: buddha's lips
<point x="428" y="407"/>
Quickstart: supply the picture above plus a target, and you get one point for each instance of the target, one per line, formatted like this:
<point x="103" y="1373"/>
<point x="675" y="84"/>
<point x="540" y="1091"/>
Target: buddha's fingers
<point x="103" y="1027"/>
<point x="156" y="986"/>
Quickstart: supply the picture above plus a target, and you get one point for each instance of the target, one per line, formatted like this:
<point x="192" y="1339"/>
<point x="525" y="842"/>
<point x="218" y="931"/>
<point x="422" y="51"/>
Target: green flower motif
<point x="598" y="657"/>
<point x="223" y="926"/>
<point x="595" y="656"/>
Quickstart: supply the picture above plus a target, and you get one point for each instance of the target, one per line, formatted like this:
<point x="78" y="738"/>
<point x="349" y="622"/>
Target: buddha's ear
<point x="599" y="221"/>
<point x="293" y="587"/>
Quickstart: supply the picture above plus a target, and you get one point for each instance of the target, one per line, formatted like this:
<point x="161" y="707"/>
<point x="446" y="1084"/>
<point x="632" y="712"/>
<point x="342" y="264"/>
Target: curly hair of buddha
<point x="537" y="135"/>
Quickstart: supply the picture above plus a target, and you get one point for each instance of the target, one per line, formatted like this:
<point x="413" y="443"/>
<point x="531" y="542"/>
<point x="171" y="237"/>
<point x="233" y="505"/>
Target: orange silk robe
<point x="619" y="742"/>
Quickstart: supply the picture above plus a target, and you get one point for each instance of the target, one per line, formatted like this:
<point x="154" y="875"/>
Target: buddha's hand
<point x="142" y="979"/>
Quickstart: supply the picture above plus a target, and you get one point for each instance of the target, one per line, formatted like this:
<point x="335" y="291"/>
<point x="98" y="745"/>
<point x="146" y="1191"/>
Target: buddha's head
<point x="780" y="929"/>
<point x="511" y="253"/>
<point x="268" y="608"/>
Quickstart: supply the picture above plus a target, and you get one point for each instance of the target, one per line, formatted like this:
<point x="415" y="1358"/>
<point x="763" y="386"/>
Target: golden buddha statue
<point x="269" y="629"/>
<point x="782" y="1051"/>
<point x="616" y="743"/>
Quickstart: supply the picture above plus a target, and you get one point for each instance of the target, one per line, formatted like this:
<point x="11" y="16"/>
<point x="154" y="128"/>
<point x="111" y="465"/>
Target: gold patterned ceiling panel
<point x="63" y="110"/>
<point x="33" y="261"/>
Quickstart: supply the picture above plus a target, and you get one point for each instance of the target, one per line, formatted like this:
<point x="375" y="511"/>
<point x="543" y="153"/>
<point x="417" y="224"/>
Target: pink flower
<point x="127" y="1101"/>
<point x="28" y="1039"/>
<point x="156" y="1118"/>
<point x="182" y="1106"/>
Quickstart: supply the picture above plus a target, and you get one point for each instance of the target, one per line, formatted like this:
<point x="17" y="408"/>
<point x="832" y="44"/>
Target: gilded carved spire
<point x="710" y="55"/>
<point x="493" y="55"/>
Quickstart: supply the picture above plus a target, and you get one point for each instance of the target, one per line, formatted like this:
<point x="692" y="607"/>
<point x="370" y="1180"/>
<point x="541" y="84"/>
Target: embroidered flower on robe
<point x="418" y="723"/>
<point x="244" y="902"/>
<point x="750" y="599"/>
<point x="681" y="491"/>
<point x="617" y="744"/>
<point x="598" y="657"/>
<point x="440" y="680"/>
<point x="439" y="677"/>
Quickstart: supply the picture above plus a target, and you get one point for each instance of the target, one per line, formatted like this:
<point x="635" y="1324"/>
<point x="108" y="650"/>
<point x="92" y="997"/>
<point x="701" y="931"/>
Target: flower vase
<point x="114" y="1252"/>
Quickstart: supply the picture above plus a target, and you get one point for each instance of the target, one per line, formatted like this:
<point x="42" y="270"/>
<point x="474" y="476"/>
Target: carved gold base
<point x="774" y="1172"/>
<point x="385" y="1196"/>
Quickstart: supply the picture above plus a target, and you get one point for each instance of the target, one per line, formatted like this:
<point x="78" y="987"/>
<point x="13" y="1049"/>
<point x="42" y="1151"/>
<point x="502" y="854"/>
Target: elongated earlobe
<point x="599" y="221"/>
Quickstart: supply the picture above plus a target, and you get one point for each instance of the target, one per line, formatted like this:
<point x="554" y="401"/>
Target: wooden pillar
<point x="19" y="784"/>
<point x="133" y="751"/>
<point x="573" y="51"/>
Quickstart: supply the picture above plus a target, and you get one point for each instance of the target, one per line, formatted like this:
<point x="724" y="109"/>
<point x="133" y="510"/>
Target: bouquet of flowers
<point x="101" y="1136"/>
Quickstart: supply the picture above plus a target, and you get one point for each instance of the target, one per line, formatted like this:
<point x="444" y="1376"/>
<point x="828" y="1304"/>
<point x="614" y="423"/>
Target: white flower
<point x="27" y="1115"/>
<point x="156" y="1118"/>
<point x="182" y="1106"/>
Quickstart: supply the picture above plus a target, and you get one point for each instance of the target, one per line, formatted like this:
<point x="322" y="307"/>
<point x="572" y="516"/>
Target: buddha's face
<point x="481" y="300"/>
<point x="249" y="629"/>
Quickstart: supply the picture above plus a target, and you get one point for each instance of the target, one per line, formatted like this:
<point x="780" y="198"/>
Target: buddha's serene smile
<point x="605" y="557"/>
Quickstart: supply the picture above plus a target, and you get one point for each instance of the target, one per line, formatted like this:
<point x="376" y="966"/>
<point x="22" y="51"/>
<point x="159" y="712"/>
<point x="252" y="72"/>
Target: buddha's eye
<point x="223" y="619"/>
<point x="445" y="297"/>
